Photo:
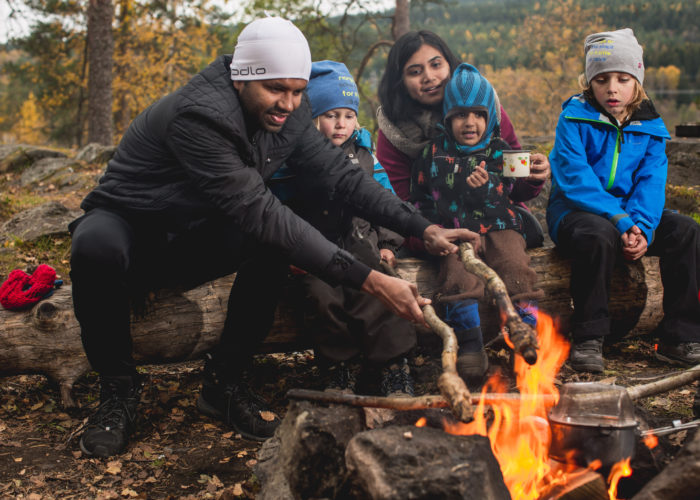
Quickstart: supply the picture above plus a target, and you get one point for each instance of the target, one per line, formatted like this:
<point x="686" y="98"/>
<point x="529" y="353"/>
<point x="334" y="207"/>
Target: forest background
<point x="532" y="51"/>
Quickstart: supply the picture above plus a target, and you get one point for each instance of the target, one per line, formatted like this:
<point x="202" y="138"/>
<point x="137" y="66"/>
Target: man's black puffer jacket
<point x="188" y="157"/>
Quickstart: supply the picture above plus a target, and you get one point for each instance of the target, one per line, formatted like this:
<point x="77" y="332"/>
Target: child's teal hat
<point x="331" y="86"/>
<point x="468" y="89"/>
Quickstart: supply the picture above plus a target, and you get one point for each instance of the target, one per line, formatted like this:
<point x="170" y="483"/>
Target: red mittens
<point x="21" y="290"/>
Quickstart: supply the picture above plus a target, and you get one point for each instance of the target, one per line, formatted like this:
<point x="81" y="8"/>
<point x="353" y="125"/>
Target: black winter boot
<point x="234" y="403"/>
<point x="108" y="429"/>
<point x="472" y="361"/>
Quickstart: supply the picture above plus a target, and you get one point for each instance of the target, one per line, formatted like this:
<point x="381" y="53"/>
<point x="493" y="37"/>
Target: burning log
<point x="521" y="336"/>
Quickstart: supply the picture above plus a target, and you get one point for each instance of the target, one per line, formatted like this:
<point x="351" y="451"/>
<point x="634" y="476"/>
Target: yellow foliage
<point x="662" y="78"/>
<point x="468" y="35"/>
<point x="30" y="127"/>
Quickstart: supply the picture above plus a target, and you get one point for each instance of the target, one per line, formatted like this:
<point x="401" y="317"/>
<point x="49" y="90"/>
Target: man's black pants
<point x="594" y="244"/>
<point x="116" y="261"/>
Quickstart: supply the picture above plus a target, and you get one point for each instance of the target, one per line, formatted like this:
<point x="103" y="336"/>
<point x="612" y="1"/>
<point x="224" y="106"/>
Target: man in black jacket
<point x="184" y="200"/>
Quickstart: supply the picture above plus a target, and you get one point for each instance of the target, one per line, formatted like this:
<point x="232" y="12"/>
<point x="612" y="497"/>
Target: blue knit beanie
<point x="331" y="86"/>
<point x="469" y="89"/>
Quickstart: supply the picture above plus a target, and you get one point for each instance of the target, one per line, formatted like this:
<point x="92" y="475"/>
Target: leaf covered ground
<point x="178" y="453"/>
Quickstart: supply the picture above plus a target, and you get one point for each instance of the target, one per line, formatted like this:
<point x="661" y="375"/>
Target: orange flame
<point x="619" y="470"/>
<point x="421" y="422"/>
<point x="651" y="441"/>
<point x="519" y="430"/>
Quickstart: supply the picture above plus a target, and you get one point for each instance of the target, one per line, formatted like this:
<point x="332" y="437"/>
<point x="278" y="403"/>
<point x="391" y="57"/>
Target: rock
<point x="421" y="462"/>
<point x="95" y="153"/>
<point x="17" y="157"/>
<point x="43" y="169"/>
<point x="306" y="457"/>
<point x="49" y="219"/>
<point x="683" y="162"/>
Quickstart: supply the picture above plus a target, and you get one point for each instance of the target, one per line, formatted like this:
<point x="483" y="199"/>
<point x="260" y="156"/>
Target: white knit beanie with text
<point x="270" y="48"/>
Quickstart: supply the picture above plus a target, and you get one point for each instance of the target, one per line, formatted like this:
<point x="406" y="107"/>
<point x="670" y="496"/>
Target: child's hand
<point x="388" y="256"/>
<point x="478" y="177"/>
<point x="634" y="244"/>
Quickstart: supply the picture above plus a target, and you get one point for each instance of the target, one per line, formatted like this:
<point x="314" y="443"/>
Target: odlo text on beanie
<point x="613" y="51"/>
<point x="331" y="86"/>
<point x="270" y="48"/>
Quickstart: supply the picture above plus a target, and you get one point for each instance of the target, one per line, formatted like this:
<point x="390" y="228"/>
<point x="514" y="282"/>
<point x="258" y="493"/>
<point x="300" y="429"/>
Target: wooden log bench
<point x="183" y="325"/>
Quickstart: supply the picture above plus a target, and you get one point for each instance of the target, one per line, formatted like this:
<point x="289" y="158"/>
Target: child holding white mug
<point x="458" y="182"/>
<point x="607" y="201"/>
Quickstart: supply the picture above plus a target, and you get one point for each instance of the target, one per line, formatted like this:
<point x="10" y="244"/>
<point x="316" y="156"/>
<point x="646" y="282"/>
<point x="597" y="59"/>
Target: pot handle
<point x="675" y="426"/>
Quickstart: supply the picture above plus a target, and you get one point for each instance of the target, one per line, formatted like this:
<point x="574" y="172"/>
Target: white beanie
<point x="613" y="51"/>
<point x="270" y="48"/>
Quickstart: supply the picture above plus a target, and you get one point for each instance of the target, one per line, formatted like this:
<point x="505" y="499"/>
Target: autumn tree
<point x="30" y="127"/>
<point x="550" y="42"/>
<point x="100" y="49"/>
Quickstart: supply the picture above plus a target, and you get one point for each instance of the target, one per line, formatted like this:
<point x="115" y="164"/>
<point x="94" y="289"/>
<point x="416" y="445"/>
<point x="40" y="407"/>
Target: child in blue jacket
<point x="607" y="200"/>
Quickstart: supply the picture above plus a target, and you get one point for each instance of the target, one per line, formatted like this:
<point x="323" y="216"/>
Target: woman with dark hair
<point x="411" y="93"/>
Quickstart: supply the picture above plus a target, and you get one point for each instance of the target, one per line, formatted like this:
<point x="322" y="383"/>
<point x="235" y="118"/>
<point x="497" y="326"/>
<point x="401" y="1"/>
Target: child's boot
<point x="463" y="317"/>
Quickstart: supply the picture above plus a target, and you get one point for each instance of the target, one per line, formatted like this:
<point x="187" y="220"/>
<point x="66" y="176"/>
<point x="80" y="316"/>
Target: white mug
<point x="516" y="163"/>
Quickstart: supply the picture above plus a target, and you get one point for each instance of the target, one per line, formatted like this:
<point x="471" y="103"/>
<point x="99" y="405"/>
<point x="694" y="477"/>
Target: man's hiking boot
<point x="684" y="353"/>
<point x="235" y="404"/>
<point x="587" y="355"/>
<point x="108" y="429"/>
<point x="341" y="378"/>
<point x="396" y="379"/>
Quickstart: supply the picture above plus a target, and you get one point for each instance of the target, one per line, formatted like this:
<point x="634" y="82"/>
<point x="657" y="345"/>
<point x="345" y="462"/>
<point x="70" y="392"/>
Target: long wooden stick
<point x="432" y="401"/>
<point x="451" y="385"/>
<point x="520" y="335"/>
<point x="400" y="403"/>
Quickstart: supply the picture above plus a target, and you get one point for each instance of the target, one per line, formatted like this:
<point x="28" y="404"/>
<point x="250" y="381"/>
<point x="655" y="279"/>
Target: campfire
<point x="531" y="444"/>
<point x="519" y="430"/>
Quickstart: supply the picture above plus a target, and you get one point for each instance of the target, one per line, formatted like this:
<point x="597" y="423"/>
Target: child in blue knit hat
<point x="458" y="182"/>
<point x="346" y="324"/>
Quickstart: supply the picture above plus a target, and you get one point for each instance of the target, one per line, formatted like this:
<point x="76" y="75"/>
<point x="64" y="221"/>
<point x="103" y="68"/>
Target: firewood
<point x="522" y="338"/>
<point x="451" y="385"/>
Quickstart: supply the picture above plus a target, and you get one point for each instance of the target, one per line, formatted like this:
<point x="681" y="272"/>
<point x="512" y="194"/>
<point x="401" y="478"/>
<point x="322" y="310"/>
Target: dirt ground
<point x="178" y="453"/>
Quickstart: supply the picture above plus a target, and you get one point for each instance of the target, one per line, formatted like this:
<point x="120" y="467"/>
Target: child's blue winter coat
<point x="598" y="167"/>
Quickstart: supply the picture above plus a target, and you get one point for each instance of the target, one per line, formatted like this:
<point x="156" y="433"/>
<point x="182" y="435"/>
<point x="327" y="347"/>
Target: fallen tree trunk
<point x="183" y="325"/>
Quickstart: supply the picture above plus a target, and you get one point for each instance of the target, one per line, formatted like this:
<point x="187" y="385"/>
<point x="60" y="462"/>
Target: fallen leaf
<point x="237" y="490"/>
<point x="408" y="435"/>
<point x="114" y="467"/>
<point x="251" y="462"/>
<point x="267" y="416"/>
<point x="18" y="459"/>
<point x="128" y="492"/>
<point x="226" y="435"/>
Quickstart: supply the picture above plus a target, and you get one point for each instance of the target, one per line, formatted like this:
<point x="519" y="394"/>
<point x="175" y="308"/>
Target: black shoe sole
<point x="204" y="407"/>
<point x="673" y="361"/>
<point x="585" y="367"/>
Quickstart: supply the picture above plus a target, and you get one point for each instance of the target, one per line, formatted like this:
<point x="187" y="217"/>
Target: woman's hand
<point x="539" y="168"/>
<point x="478" y="177"/>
